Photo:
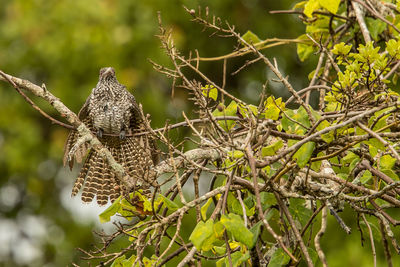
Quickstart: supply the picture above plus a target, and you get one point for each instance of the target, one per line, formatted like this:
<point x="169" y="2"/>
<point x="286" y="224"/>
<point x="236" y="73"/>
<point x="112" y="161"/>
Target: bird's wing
<point x="80" y="153"/>
<point x="137" y="124"/>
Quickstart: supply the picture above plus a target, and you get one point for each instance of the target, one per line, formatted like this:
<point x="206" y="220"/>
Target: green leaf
<point x="375" y="27"/>
<point x="236" y="207"/>
<point x="376" y="233"/>
<point x="267" y="200"/>
<point x="372" y="150"/>
<point x="273" y="108"/>
<point x="349" y="157"/>
<point x="235" y="225"/>
<point x="366" y="177"/>
<point x="237" y="258"/>
<point x="328" y="137"/>
<point x="271" y="149"/>
<point x="210" y="91"/>
<point x="304" y="50"/>
<point x="279" y="258"/>
<point x="382" y="122"/>
<point x="331" y="5"/>
<point x="129" y="262"/>
<point x="299" y="211"/>
<point x="230" y="110"/>
<point x="376" y="143"/>
<point x="219" y="250"/>
<point x="118" y="261"/>
<point x="169" y="203"/>
<point x="387" y="162"/>
<point x="256" y="232"/>
<point x="391" y="174"/>
<point x="218" y="231"/>
<point x="105" y="216"/>
<point x="251" y="38"/>
<point x="393" y="48"/>
<point x="310" y="7"/>
<point x="201" y="233"/>
<point x="341" y="49"/>
<point x="237" y="154"/>
<point x="316" y="165"/>
<point x="300" y="4"/>
<point x="300" y="116"/>
<point x="303" y="155"/>
<point x="313" y="255"/>
<point x="123" y="262"/>
<point x="204" y="209"/>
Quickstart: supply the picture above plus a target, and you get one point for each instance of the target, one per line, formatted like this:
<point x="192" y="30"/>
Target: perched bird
<point x="113" y="114"/>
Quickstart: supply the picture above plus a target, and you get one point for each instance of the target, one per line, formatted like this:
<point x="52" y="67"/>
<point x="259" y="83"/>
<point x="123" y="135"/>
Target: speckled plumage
<point x="111" y="112"/>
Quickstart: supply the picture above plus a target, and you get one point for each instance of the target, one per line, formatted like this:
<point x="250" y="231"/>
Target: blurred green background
<point x="63" y="44"/>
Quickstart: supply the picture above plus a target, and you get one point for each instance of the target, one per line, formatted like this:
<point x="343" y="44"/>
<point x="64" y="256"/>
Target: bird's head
<point x="107" y="74"/>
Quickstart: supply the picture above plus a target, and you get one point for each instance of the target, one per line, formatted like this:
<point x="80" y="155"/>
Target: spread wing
<point x="73" y="135"/>
<point x="137" y="125"/>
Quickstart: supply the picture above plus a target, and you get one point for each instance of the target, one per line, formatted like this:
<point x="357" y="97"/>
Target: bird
<point x="112" y="113"/>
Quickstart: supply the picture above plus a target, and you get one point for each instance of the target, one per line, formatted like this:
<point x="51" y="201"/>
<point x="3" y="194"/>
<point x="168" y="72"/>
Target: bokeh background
<point x="63" y="44"/>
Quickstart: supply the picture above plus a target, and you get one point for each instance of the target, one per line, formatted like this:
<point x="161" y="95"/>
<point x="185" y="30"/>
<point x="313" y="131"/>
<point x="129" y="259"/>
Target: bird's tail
<point x="98" y="179"/>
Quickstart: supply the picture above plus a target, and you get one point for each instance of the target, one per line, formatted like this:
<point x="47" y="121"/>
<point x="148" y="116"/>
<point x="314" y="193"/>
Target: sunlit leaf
<point x="230" y="110"/>
<point x="210" y="91"/>
<point x="251" y="38"/>
<point x="169" y="203"/>
<point x="391" y="174"/>
<point x="304" y="50"/>
<point x="256" y="232"/>
<point x="235" y="225"/>
<point x="204" y="209"/>
<point x="331" y="5"/>
<point x="387" y="162"/>
<point x="238" y="258"/>
<point x="304" y="154"/>
<point x="110" y="211"/>
<point x="375" y="27"/>
<point x="299" y="211"/>
<point x="271" y="149"/>
<point x="279" y="258"/>
<point x="201" y="233"/>
<point x="310" y="7"/>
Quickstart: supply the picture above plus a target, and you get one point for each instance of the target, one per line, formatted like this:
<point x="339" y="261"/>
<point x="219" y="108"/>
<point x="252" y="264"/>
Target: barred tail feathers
<point x="98" y="179"/>
<point x="90" y="188"/>
<point x="82" y="175"/>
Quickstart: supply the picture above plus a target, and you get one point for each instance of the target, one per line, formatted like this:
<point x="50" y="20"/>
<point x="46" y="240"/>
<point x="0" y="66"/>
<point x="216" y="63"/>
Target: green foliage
<point x="235" y="226"/>
<point x="210" y="91"/>
<point x="299" y="211"/>
<point x="304" y="153"/>
<point x="279" y="258"/>
<point x="237" y="258"/>
<point x="271" y="149"/>
<point x="126" y="209"/>
<point x="251" y="37"/>
<point x="230" y="110"/>
<point x="123" y="262"/>
<point x="204" y="209"/>
<point x="304" y="50"/>
<point x="375" y="27"/>
<point x="273" y="108"/>
<point x="204" y="234"/>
